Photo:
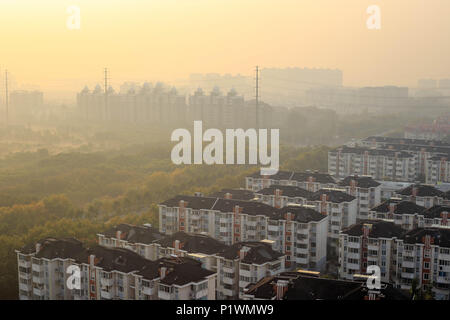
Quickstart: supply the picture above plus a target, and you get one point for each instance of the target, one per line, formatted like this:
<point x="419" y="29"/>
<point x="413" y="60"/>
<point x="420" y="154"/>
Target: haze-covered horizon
<point x="168" y="40"/>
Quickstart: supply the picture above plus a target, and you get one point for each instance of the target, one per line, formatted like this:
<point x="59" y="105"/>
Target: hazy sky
<point x="168" y="39"/>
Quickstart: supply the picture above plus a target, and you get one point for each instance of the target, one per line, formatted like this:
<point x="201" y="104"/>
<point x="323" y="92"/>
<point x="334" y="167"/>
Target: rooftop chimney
<point x="92" y="260"/>
<point x="281" y="287"/>
<point x="162" y="272"/>
<point x="38" y="247"/>
<point x="392" y="206"/>
<point x="228" y="195"/>
<point x="243" y="252"/>
<point x="118" y="234"/>
<point x="176" y="246"/>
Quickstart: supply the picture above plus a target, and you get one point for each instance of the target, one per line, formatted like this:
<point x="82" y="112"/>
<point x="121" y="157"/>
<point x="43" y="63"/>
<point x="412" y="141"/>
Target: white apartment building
<point x="424" y="255"/>
<point x="405" y="214"/>
<point x="365" y="244"/>
<point x="279" y="196"/>
<point x="366" y="191"/>
<point x="244" y="263"/>
<point x="380" y="164"/>
<point x="300" y="233"/>
<point x="340" y="207"/>
<point x="108" y="273"/>
<point x="309" y="180"/>
<point x="423" y="195"/>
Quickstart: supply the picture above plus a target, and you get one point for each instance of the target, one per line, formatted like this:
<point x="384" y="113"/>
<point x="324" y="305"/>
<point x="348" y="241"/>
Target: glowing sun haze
<point x="168" y="39"/>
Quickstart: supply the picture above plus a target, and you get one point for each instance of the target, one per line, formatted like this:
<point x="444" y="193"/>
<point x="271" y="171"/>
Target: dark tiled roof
<point x="405" y="141"/>
<point x="301" y="287"/>
<point x="52" y="248"/>
<point x="181" y="271"/>
<point x="238" y="194"/>
<point x="423" y="190"/>
<point x="193" y="202"/>
<point x="333" y="196"/>
<point x="380" y="229"/>
<point x="401" y="207"/>
<point x="435" y="211"/>
<point x="193" y="243"/>
<point x="258" y="252"/>
<point x="280" y="175"/>
<point x="286" y="191"/>
<point x="248" y="207"/>
<point x="298" y="176"/>
<point x="111" y="259"/>
<point x="135" y="234"/>
<point x="301" y="214"/>
<point x="441" y="236"/>
<point x="361" y="181"/>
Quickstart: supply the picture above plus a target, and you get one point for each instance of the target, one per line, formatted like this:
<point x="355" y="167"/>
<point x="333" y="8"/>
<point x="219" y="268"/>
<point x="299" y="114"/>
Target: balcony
<point x="106" y="295"/>
<point x="227" y="280"/>
<point x="25" y="275"/>
<point x="148" y="291"/>
<point x="227" y="292"/>
<point x="39" y="280"/>
<point x="228" y="269"/>
<point x="245" y="273"/>
<point x="272" y="228"/>
<point x="106" y="282"/>
<point x="165" y="295"/>
<point x="25" y="287"/>
<point x="408" y="264"/>
<point x="38" y="292"/>
<point x="37" y="267"/>
<point x="407" y="275"/>
<point x="201" y="293"/>
<point x="24" y="263"/>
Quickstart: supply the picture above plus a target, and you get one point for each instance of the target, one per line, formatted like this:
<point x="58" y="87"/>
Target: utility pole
<point x="106" y="93"/>
<point x="257" y="97"/>
<point x="7" y="98"/>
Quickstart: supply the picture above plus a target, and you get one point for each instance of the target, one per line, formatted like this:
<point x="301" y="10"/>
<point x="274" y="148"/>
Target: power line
<point x="257" y="96"/>
<point x="7" y="98"/>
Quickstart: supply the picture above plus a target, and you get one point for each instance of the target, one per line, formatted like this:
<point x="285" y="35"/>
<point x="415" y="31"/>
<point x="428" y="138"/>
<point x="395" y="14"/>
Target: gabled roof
<point x="435" y="211"/>
<point x="258" y="252"/>
<point x="334" y="196"/>
<point x="193" y="243"/>
<point x="286" y="191"/>
<point x="320" y="177"/>
<point x="361" y="181"/>
<point x="301" y="214"/>
<point x="401" y="207"/>
<point x="441" y="236"/>
<point x="423" y="190"/>
<point x="135" y="234"/>
<point x="237" y="194"/>
<point x="379" y="229"/>
<point x="51" y="248"/>
<point x="193" y="202"/>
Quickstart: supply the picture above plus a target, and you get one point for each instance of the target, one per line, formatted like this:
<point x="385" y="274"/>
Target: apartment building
<point x="309" y="180"/>
<point x="227" y="220"/>
<point x="339" y="206"/>
<point x="145" y="104"/>
<point x="405" y="214"/>
<point x="438" y="169"/>
<point x="423" y="195"/>
<point x="243" y="263"/>
<point x="300" y="286"/>
<point x="380" y="164"/>
<point x="279" y="196"/>
<point x="428" y="160"/>
<point x="366" y="191"/>
<point x="300" y="233"/>
<point x="365" y="244"/>
<point x="423" y="255"/>
<point x="108" y="273"/>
